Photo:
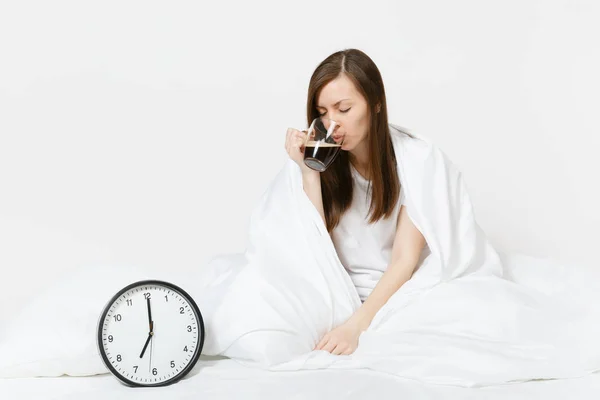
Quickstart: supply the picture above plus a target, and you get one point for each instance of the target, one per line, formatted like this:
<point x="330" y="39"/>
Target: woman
<point x="362" y="182"/>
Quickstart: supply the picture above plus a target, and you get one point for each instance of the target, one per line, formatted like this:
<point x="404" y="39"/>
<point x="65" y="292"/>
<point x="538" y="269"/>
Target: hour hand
<point x="145" y="345"/>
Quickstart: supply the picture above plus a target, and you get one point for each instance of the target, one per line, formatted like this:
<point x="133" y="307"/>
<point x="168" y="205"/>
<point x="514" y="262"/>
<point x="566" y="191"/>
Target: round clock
<point x="150" y="334"/>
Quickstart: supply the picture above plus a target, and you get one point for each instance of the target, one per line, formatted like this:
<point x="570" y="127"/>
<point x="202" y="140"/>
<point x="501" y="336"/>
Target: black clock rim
<point x="196" y="355"/>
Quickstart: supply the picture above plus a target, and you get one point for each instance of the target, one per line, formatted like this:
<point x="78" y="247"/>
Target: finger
<point x="301" y="137"/>
<point x="290" y="143"/>
<point x="301" y="134"/>
<point x="329" y="346"/>
<point x="347" y="351"/>
<point x="289" y="134"/>
<point x="322" y="343"/>
<point x="337" y="350"/>
<point x="299" y="143"/>
<point x="293" y="140"/>
<point x="341" y="347"/>
<point x="318" y="346"/>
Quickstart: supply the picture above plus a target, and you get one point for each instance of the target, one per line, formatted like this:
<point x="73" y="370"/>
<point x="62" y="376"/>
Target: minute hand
<point x="149" y="314"/>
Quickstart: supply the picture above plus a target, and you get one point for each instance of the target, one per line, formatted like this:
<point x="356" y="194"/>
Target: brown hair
<point x="336" y="181"/>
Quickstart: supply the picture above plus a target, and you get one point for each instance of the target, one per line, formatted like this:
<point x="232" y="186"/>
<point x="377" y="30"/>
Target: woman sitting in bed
<point x="359" y="196"/>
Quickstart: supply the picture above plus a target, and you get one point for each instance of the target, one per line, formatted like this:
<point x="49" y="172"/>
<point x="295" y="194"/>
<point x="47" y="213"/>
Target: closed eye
<point x="342" y="111"/>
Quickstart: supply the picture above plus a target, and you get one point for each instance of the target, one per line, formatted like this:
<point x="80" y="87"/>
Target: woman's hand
<point x="294" y="145"/>
<point x="341" y="340"/>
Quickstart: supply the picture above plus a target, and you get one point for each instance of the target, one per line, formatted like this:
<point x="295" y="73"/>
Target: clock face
<point x="150" y="333"/>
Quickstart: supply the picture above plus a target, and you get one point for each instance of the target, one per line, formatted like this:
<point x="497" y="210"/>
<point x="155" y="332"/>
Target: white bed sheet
<point x="218" y="378"/>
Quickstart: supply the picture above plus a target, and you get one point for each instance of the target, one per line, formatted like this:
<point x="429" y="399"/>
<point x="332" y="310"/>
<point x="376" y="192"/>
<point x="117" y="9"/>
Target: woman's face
<point x="340" y="101"/>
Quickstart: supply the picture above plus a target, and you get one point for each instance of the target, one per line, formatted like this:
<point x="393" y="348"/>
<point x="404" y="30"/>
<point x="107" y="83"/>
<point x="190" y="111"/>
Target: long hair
<point x="336" y="181"/>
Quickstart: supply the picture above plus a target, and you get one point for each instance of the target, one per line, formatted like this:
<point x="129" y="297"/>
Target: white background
<point x="143" y="133"/>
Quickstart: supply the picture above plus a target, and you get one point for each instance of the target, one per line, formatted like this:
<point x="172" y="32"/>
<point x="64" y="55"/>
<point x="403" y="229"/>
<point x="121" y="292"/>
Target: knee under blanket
<point x="469" y="316"/>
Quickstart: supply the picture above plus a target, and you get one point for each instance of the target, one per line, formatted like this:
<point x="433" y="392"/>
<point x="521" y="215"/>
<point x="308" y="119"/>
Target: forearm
<point x="311" y="181"/>
<point x="392" y="279"/>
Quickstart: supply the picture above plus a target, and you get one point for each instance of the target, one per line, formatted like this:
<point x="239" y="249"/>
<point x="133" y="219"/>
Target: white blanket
<point x="467" y="317"/>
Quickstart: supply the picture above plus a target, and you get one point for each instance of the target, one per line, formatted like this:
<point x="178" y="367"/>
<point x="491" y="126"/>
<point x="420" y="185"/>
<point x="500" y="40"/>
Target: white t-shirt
<point x="365" y="249"/>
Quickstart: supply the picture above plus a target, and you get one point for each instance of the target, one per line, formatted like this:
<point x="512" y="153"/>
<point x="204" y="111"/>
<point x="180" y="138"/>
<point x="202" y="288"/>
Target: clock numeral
<point x="129" y="302"/>
<point x="119" y="358"/>
<point x="180" y="310"/>
<point x="110" y="338"/>
<point x="189" y="328"/>
<point x="118" y="317"/>
<point x="185" y="349"/>
<point x="146" y="295"/>
<point x="172" y="364"/>
<point x="166" y="298"/>
<point x="154" y="371"/>
<point x="135" y="367"/>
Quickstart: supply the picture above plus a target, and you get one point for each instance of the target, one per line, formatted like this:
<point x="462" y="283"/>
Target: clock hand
<point x="149" y="313"/>
<point x="151" y="342"/>
<point x="145" y="345"/>
<point x="149" y="333"/>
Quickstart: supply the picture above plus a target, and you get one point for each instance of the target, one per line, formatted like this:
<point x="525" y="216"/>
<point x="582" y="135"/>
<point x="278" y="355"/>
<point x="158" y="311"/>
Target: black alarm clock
<point x="150" y="333"/>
